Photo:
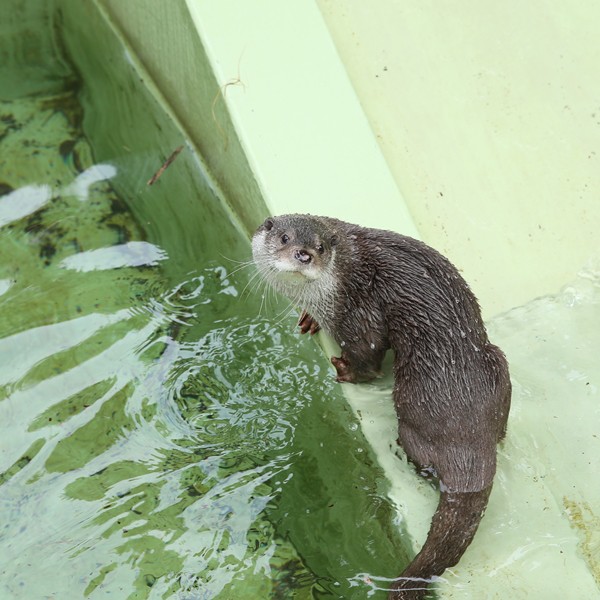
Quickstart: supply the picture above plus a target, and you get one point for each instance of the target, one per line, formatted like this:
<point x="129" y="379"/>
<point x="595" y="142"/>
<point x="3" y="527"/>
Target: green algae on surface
<point x="587" y="522"/>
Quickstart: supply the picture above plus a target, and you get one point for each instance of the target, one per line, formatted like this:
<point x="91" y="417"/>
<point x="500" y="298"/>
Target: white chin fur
<point x="293" y="273"/>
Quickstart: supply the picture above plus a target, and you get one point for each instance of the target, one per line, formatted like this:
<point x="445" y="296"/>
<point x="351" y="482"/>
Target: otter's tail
<point x="452" y="529"/>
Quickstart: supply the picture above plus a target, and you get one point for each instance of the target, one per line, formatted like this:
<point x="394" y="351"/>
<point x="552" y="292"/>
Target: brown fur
<point x="373" y="290"/>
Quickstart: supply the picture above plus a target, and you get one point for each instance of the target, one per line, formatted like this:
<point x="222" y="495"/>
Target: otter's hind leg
<point x="358" y="366"/>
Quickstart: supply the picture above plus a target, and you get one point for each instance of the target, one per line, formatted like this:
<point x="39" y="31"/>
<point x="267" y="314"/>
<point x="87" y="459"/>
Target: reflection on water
<point x="22" y="202"/>
<point x="130" y="254"/>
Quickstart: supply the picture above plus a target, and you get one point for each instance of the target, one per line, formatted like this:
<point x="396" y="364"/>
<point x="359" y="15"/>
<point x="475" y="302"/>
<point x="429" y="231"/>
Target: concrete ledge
<point x="296" y="114"/>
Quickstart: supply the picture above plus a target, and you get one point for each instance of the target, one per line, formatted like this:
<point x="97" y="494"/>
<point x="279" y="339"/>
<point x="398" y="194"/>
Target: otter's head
<point x="292" y="251"/>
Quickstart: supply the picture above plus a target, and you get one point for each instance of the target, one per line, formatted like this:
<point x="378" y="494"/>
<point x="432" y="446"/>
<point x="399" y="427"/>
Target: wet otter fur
<point x="373" y="290"/>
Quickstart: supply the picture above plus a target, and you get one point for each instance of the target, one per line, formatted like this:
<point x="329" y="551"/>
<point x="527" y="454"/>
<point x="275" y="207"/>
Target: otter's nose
<point x="303" y="256"/>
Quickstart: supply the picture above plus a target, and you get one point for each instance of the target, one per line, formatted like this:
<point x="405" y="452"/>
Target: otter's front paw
<point x="308" y="324"/>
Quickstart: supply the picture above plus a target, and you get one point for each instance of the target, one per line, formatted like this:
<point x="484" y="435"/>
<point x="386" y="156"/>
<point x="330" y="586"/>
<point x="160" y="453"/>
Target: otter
<point x="374" y="290"/>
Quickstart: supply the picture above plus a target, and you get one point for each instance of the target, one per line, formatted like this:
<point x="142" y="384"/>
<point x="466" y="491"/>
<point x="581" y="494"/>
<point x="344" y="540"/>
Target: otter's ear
<point x="268" y="224"/>
<point x="333" y="240"/>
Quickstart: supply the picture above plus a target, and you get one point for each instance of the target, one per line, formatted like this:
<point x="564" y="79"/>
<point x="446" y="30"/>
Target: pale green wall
<point x="488" y="114"/>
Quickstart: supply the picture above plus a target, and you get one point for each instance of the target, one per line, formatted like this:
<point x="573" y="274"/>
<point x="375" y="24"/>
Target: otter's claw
<point x="348" y="374"/>
<point x="308" y="324"/>
<point x="344" y="372"/>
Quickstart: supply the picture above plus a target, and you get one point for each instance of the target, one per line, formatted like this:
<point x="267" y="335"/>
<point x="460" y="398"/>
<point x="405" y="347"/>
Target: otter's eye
<point x="285" y="239"/>
<point x="320" y="249"/>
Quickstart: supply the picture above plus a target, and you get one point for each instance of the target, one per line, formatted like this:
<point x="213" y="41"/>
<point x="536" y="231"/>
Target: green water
<point x="160" y="435"/>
